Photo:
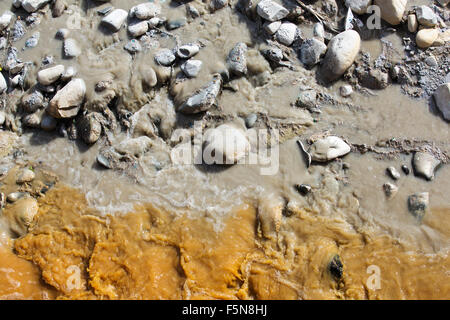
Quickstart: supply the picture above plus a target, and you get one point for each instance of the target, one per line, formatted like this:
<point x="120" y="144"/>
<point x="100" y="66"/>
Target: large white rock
<point x="328" y="148"/>
<point x="426" y="16"/>
<point x="413" y="25"/>
<point x="271" y="11"/>
<point x="358" y="6"/>
<point x="392" y="10"/>
<point x="50" y="75"/>
<point x="3" y="85"/>
<point x="225" y="144"/>
<point x="5" y="19"/>
<point x="33" y="5"/>
<point x="286" y="33"/>
<point x="67" y="101"/>
<point x="115" y="19"/>
<point x="341" y="53"/>
<point x="442" y="98"/>
<point x="145" y="11"/>
<point x="138" y="29"/>
<point x="426" y="37"/>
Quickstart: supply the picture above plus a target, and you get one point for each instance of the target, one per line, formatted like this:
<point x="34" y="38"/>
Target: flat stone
<point x="271" y="11"/>
<point x="328" y="148"/>
<point x="33" y="5"/>
<point x="191" y="68"/>
<point x="71" y="48"/>
<point x="272" y="27"/>
<point x="442" y="99"/>
<point x="203" y="98"/>
<point x="165" y="57"/>
<point x="5" y="19"/>
<point x="426" y="16"/>
<point x="67" y="102"/>
<point x="50" y="75"/>
<point x="311" y="51"/>
<point x="418" y="204"/>
<point x="237" y="60"/>
<point x="115" y="19"/>
<point x="138" y="29"/>
<point x="26" y="175"/>
<point x="425" y="165"/>
<point x="134" y="146"/>
<point x="145" y="11"/>
<point x="286" y="33"/>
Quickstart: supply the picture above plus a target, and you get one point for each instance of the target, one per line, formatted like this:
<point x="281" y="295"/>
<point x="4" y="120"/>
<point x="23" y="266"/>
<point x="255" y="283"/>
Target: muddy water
<point x="196" y="232"/>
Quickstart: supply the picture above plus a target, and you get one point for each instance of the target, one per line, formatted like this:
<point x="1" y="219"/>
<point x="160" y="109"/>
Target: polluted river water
<point x="97" y="204"/>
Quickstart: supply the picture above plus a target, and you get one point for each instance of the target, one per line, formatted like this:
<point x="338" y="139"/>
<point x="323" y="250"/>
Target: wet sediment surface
<point x="101" y="228"/>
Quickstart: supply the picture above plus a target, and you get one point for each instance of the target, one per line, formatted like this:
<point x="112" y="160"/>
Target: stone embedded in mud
<point x="392" y="10"/>
<point x="50" y="75"/>
<point x="311" y="51"/>
<point x="319" y="31"/>
<point x="145" y="11"/>
<point x="426" y="37"/>
<point x="307" y="99"/>
<point x="115" y="19"/>
<point x="336" y="267"/>
<point x="250" y="120"/>
<point x="271" y="11"/>
<point x="358" y="6"/>
<point x="148" y="75"/>
<point x="426" y="16"/>
<point x="32" y="41"/>
<point x="346" y="90"/>
<point x="165" y="57"/>
<point x="133" y="46"/>
<point x="58" y="8"/>
<point x="390" y="190"/>
<point x="15" y="196"/>
<point x="134" y="146"/>
<point x="33" y="5"/>
<point x="48" y="123"/>
<point x="191" y="68"/>
<point x="3" y="85"/>
<point x="21" y="214"/>
<point x="71" y="48"/>
<point x="18" y="31"/>
<point x="90" y="128"/>
<point x="203" y="98"/>
<point x="67" y="102"/>
<point x="393" y="173"/>
<point x="237" y="60"/>
<point x="425" y="164"/>
<point x="26" y="175"/>
<point x="418" y="204"/>
<point x="287" y="33"/>
<point x="225" y="144"/>
<point x="272" y="27"/>
<point x="413" y="25"/>
<point x="328" y="148"/>
<point x="442" y="99"/>
<point x="341" y="53"/>
<point x="138" y="29"/>
<point x="32" y="101"/>
<point x="303" y="189"/>
<point x="374" y="79"/>
<point x="187" y="51"/>
<point x="5" y="19"/>
<point x="62" y="33"/>
<point x="175" y="23"/>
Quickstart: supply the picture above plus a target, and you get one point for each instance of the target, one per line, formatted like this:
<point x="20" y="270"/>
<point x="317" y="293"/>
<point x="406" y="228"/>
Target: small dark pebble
<point x="336" y="268"/>
<point x="405" y="169"/>
<point x="303" y="189"/>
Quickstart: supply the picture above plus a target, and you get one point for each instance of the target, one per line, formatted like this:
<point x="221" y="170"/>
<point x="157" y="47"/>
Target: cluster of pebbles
<point x="60" y="95"/>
